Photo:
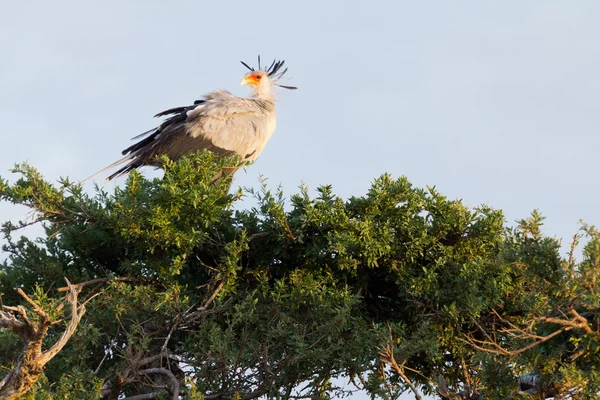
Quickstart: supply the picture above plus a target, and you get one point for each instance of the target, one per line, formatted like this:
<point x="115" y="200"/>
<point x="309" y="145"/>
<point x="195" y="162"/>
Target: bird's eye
<point x="258" y="77"/>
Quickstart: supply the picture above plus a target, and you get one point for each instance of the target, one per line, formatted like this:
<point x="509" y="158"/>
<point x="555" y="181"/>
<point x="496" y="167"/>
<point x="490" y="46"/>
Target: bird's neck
<point x="264" y="93"/>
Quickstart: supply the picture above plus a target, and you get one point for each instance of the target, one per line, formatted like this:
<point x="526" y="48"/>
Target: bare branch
<point x="33" y="360"/>
<point x="163" y="371"/>
<point x="77" y="312"/>
<point x="105" y="280"/>
<point x="387" y="357"/>
<point x="527" y="332"/>
<point x="36" y="308"/>
<point x="494" y="348"/>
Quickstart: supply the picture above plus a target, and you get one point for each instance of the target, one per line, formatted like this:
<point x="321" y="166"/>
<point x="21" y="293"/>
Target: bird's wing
<point x="233" y="124"/>
<point x="221" y="122"/>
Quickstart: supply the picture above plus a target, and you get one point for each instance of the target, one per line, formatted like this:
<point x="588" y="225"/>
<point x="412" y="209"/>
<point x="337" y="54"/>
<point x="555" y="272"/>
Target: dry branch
<point x="527" y="332"/>
<point x="387" y="357"/>
<point x="105" y="280"/>
<point x="33" y="359"/>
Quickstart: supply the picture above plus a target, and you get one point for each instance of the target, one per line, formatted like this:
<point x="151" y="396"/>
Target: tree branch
<point x="172" y="379"/>
<point x="387" y="357"/>
<point x="104" y="280"/>
<point x="32" y="361"/>
<point x="528" y="332"/>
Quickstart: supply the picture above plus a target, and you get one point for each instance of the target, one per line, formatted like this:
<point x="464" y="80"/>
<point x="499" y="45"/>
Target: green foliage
<point x="283" y="298"/>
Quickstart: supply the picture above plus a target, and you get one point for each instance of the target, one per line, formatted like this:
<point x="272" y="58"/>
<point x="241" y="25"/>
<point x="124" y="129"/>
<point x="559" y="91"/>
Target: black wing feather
<point x="179" y="115"/>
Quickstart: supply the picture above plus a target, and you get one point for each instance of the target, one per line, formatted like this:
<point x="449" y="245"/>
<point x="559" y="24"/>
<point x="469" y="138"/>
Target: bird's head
<point x="261" y="80"/>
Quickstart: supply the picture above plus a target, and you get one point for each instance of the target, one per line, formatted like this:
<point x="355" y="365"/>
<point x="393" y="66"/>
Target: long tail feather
<point x="148" y="132"/>
<point x="111" y="166"/>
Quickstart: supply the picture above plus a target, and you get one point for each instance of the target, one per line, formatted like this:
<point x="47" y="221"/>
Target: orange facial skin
<point x="252" y="78"/>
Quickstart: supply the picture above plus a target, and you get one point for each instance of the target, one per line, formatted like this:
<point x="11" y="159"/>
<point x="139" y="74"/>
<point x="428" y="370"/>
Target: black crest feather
<point x="275" y="71"/>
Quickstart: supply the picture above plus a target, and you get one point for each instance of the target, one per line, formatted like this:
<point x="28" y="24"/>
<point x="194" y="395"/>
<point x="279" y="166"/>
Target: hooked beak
<point x="244" y="81"/>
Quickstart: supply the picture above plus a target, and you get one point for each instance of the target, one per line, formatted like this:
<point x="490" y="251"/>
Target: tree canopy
<point x="164" y="288"/>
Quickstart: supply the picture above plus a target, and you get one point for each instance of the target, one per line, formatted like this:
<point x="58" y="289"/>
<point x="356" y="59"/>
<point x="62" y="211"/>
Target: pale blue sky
<point x="493" y="102"/>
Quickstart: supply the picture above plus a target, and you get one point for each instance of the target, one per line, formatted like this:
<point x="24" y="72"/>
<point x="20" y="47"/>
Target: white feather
<point x="118" y="162"/>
